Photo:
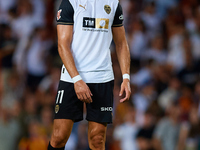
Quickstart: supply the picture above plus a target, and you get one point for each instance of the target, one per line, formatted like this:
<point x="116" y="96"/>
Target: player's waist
<point x="101" y="76"/>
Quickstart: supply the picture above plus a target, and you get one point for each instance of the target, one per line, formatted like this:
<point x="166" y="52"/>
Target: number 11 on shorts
<point x="59" y="97"/>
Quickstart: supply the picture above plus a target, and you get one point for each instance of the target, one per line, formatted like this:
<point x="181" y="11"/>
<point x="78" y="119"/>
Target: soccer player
<point x="85" y="30"/>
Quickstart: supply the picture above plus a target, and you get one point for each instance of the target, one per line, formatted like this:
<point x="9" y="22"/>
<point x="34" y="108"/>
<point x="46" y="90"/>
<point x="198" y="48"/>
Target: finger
<point x="85" y="99"/>
<point x="90" y="92"/>
<point x="121" y="91"/>
<point x="81" y="98"/>
<point x="126" y="97"/>
<point x="128" y="93"/>
<point x="78" y="96"/>
<point x="89" y="97"/>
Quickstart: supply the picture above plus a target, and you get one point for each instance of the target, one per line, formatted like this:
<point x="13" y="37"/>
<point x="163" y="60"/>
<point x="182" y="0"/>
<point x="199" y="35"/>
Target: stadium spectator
<point x="9" y="130"/>
<point x="126" y="133"/>
<point x="35" y="139"/>
<point x="145" y="133"/>
<point x="37" y="57"/>
<point x="190" y="131"/>
<point x="151" y="20"/>
<point x="170" y="94"/>
<point x="137" y="41"/>
<point x="157" y="51"/>
<point x="166" y="133"/>
<point x="7" y="47"/>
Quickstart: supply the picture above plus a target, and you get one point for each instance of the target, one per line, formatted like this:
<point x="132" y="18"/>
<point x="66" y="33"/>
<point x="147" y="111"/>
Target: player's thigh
<point x="100" y="110"/>
<point x="96" y="133"/>
<point x="61" y="131"/>
<point x="67" y="105"/>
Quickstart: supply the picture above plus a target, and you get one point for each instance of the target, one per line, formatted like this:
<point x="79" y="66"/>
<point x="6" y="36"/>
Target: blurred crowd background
<point x="164" y="110"/>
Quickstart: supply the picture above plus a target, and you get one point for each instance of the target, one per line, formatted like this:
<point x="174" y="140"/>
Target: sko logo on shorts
<point x="106" y="108"/>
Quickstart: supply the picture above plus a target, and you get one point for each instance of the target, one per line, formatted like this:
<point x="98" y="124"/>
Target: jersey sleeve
<point x="65" y="14"/>
<point x="118" y="18"/>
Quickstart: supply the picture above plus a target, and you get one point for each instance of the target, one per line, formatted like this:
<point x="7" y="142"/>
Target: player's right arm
<point x="65" y="34"/>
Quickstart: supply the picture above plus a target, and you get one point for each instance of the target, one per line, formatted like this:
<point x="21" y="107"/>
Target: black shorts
<point x="68" y="106"/>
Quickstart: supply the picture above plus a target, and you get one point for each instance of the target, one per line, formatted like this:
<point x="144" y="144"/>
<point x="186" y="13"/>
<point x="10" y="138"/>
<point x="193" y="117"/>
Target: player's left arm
<point x="122" y="50"/>
<point x="123" y="55"/>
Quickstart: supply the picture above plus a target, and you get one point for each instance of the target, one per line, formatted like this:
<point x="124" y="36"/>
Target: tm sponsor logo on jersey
<point x="106" y="108"/>
<point x="95" y="24"/>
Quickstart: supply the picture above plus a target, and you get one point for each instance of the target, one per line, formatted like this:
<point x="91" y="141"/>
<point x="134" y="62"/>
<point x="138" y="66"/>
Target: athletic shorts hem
<point x="97" y="121"/>
<point x="74" y="120"/>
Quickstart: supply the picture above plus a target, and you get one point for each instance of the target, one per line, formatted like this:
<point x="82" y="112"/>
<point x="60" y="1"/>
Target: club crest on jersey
<point x="58" y="14"/>
<point x="107" y="9"/>
<point x="56" y="109"/>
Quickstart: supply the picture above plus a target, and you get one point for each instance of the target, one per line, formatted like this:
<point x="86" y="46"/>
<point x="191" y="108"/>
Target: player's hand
<point x="83" y="92"/>
<point x="125" y="87"/>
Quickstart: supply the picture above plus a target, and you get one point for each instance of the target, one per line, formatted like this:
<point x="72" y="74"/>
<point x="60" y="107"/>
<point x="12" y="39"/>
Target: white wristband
<point x="76" y="78"/>
<point x="126" y="76"/>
